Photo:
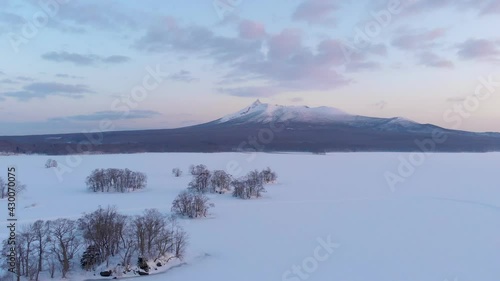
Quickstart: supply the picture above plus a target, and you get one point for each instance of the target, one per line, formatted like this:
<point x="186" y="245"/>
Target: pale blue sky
<point x="86" y="61"/>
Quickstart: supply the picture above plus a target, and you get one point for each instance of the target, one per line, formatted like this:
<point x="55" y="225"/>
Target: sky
<point x="76" y="66"/>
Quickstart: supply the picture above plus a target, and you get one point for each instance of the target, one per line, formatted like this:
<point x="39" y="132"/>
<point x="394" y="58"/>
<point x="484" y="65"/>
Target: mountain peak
<point x="259" y="112"/>
<point x="256" y="103"/>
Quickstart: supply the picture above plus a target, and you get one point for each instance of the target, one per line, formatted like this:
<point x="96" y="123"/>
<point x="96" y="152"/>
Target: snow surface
<point x="260" y="112"/>
<point x="442" y="224"/>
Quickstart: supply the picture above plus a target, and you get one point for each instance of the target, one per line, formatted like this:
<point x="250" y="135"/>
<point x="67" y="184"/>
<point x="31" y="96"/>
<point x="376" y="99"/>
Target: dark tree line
<point x="55" y="245"/>
<point x="115" y="180"/>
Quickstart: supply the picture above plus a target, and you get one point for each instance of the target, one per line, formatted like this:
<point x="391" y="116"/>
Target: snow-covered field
<point x="442" y="224"/>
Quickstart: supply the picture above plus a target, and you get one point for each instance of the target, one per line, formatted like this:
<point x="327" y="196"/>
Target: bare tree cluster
<point x="149" y="236"/>
<point x="198" y="169"/>
<point x="176" y="172"/>
<point x="4" y="189"/>
<point x="158" y="235"/>
<point x="191" y="204"/>
<point x="51" y="163"/>
<point x="103" y="229"/>
<point x="201" y="182"/>
<point x="46" y="245"/>
<point x="117" y="180"/>
<point x="54" y="245"/>
<point x="205" y="181"/>
<point x="252" y="185"/>
<point x="220" y="181"/>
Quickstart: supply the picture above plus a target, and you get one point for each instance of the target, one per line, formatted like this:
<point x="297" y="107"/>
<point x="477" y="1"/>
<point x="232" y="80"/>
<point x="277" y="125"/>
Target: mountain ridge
<point x="302" y="129"/>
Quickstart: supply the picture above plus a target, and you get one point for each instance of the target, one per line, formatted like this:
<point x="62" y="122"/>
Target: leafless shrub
<point x="51" y="163"/>
<point x="176" y="172"/>
<point x="220" y="181"/>
<point x="268" y="176"/>
<point x="198" y="169"/>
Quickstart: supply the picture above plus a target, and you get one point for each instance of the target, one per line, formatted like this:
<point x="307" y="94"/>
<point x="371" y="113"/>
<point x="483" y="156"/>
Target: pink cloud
<point x="284" y="44"/>
<point x="478" y="49"/>
<point x="418" y="40"/>
<point x="432" y="60"/>
<point x="492" y="8"/>
<point x="315" y="12"/>
<point x="251" y="30"/>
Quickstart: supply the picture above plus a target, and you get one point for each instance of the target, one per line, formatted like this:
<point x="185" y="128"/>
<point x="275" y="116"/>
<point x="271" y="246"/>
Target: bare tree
<point x="255" y="184"/>
<point x="3" y="188"/>
<point x="156" y="235"/>
<point x="268" y="176"/>
<point x="19" y="188"/>
<point x="52" y="262"/>
<point x="128" y="243"/>
<point x="198" y="169"/>
<point x="64" y="242"/>
<point x="95" y="180"/>
<point x="220" y="181"/>
<point x="201" y="205"/>
<point x="201" y="182"/>
<point x="191" y="204"/>
<point x="29" y="260"/>
<point x="104" y="229"/>
<point x="239" y="189"/>
<point x="41" y="231"/>
<point x="149" y="227"/>
<point x="180" y="242"/>
<point x="182" y="204"/>
<point x="51" y="163"/>
<point x="20" y="254"/>
<point x="176" y="172"/>
<point x="250" y="186"/>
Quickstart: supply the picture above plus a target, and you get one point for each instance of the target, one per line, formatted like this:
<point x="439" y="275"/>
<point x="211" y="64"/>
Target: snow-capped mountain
<point x="259" y="112"/>
<point x="263" y="113"/>
<point x="302" y="128"/>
